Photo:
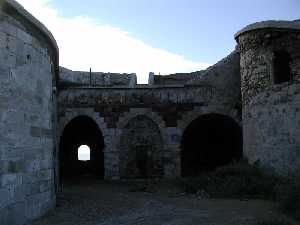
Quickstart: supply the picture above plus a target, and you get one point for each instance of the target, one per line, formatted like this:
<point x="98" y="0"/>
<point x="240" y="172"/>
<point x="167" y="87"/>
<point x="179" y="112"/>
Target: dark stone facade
<point x="141" y="149"/>
<point x="157" y="114"/>
<point x="139" y="131"/>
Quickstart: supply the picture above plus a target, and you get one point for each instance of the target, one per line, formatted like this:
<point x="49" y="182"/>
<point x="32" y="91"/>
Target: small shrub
<point x="239" y="180"/>
<point x="238" y="169"/>
<point x="275" y="222"/>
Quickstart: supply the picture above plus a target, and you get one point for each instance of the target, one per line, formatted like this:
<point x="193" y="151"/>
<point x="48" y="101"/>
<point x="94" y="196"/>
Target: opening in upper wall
<point x="281" y="67"/>
<point x="84" y="153"/>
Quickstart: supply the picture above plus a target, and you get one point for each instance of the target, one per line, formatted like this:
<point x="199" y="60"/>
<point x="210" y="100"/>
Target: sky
<point x="142" y="36"/>
<point x="84" y="153"/>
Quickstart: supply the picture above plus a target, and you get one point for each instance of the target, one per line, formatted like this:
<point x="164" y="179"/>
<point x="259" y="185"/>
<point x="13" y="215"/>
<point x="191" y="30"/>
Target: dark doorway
<point x="142" y="161"/>
<point x="281" y="65"/>
<point x="81" y="149"/>
<point x="210" y="141"/>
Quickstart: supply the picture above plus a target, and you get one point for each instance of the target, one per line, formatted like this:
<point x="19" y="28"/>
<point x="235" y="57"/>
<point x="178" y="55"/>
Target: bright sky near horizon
<point x="142" y="36"/>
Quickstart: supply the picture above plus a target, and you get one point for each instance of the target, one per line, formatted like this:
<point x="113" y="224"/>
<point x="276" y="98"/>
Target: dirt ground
<point x="91" y="202"/>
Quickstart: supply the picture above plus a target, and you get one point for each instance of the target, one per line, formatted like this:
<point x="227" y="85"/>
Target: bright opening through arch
<point x="84" y="153"/>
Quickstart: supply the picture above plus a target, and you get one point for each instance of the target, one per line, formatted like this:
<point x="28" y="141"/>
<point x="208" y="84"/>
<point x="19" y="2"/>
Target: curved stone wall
<point x="271" y="118"/>
<point x="28" y="70"/>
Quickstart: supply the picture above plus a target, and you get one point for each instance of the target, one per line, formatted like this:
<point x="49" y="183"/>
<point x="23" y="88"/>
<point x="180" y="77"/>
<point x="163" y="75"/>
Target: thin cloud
<point x="85" y="43"/>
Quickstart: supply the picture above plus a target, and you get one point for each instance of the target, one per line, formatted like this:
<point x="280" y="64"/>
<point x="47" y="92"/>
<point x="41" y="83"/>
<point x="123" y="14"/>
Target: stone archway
<point x="141" y="149"/>
<point x="81" y="130"/>
<point x="210" y="141"/>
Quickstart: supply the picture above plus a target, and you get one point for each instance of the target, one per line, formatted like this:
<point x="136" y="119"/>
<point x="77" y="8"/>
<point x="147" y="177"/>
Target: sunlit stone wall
<point x="28" y="62"/>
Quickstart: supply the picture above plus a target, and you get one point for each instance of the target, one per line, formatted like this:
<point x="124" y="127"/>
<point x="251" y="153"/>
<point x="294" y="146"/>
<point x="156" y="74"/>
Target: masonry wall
<point x="79" y="78"/>
<point x="141" y="149"/>
<point x="173" y="79"/>
<point x="271" y="118"/>
<point x="28" y="59"/>
<point x="170" y="108"/>
<point x="225" y="77"/>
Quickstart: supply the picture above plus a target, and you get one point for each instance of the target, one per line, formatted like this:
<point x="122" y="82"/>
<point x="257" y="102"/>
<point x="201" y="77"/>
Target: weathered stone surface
<point x="27" y="60"/>
<point x="141" y="125"/>
<point x="271" y="118"/>
<point x="141" y="149"/>
<point x="79" y="78"/>
<point x="171" y="107"/>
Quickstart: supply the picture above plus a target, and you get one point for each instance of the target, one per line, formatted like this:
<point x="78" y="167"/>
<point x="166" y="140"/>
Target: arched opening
<point x="141" y="152"/>
<point x="210" y="141"/>
<point x="281" y="66"/>
<point x="81" y="149"/>
<point x="84" y="153"/>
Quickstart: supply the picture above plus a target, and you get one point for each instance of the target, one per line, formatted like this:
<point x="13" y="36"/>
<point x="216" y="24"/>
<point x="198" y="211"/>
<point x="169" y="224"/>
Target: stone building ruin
<point x="245" y="106"/>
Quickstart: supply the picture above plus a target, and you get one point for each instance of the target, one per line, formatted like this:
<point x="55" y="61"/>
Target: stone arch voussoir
<point x="73" y="113"/>
<point x="134" y="112"/>
<point x="199" y="111"/>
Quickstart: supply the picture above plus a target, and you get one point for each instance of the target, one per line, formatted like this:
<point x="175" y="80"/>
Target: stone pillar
<point x="172" y="157"/>
<point x="172" y="162"/>
<point x="111" y="165"/>
<point x="111" y="154"/>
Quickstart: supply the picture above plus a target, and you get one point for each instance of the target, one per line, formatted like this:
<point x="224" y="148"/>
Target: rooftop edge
<point x="270" y="24"/>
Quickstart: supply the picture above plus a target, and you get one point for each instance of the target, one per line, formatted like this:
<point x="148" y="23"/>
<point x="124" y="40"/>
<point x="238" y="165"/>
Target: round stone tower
<point x="270" y="86"/>
<point x="28" y="71"/>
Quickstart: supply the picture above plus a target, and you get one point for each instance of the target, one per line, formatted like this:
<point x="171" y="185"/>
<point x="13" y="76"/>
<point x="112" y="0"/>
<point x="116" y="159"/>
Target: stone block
<point x="11" y="179"/>
<point x="5" y="198"/>
<point x="16" y="215"/>
<point x="45" y="186"/>
<point x="12" y="153"/>
<point x="32" y="165"/>
<point x="31" y="189"/>
<point x="34" y="204"/>
<point x="47" y="163"/>
<point x="40" y="132"/>
<point x="15" y="166"/>
<point x="8" y="58"/>
<point x="45" y="174"/>
<point x="4" y="216"/>
<point x="24" y="36"/>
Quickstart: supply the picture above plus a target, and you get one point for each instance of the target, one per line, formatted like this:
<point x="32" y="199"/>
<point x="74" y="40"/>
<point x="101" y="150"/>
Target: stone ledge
<point x="270" y="24"/>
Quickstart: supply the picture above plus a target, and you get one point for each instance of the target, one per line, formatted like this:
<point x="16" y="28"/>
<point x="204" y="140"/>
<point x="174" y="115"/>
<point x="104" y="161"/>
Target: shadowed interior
<point x="210" y="141"/>
<point x="81" y="130"/>
<point x="282" y="71"/>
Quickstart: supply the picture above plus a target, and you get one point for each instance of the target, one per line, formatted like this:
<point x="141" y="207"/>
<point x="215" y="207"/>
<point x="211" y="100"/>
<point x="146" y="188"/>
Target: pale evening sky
<point x="142" y="36"/>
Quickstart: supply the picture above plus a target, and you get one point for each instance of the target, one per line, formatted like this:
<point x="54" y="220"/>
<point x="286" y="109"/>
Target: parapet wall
<point x="225" y="77"/>
<point x="173" y="79"/>
<point x="28" y="70"/>
<point x="78" y="78"/>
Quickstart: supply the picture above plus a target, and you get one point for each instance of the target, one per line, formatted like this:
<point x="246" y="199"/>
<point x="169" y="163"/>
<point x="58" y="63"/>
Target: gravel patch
<point x="114" y="203"/>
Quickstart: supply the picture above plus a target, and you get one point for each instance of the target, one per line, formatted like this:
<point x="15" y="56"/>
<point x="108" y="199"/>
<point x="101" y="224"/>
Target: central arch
<point x="81" y="131"/>
<point x="210" y="141"/>
<point x="141" y="149"/>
